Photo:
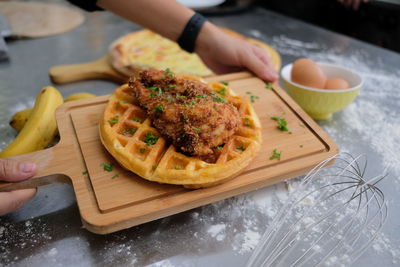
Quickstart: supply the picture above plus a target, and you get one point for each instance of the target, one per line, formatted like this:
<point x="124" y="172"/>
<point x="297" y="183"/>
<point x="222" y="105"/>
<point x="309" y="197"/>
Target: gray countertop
<point x="48" y="230"/>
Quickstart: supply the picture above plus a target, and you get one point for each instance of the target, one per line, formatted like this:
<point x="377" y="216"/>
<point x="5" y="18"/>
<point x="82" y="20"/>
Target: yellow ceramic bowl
<point x="321" y="103"/>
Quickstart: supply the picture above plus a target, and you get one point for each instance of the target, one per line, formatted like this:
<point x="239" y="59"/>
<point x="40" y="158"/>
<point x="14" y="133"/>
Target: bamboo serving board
<point x="108" y="203"/>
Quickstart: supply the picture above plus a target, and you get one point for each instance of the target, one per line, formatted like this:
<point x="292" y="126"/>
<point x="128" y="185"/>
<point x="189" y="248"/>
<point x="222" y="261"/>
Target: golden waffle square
<point x="127" y="133"/>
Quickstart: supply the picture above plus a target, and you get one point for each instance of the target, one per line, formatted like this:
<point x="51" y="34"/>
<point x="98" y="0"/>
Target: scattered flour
<point x="250" y="241"/>
<point x="217" y="231"/>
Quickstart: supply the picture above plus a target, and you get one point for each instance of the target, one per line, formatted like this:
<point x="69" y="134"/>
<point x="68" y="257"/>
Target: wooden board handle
<point x="99" y="69"/>
<point x="50" y="170"/>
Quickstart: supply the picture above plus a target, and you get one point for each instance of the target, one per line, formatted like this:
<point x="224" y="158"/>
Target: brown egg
<point x="306" y="72"/>
<point x="336" y="83"/>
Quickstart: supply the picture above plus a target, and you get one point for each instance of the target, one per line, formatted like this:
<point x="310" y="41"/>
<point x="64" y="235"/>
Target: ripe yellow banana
<point x="19" y="119"/>
<point x="41" y="126"/>
<point x="78" y="96"/>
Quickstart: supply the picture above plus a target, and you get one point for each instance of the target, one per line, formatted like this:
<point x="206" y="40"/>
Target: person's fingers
<point x="257" y="66"/>
<point x="13" y="171"/>
<point x="10" y="201"/>
<point x="264" y="57"/>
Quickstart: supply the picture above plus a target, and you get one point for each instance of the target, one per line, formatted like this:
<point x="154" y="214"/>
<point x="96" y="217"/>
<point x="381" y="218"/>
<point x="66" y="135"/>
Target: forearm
<point x="166" y="17"/>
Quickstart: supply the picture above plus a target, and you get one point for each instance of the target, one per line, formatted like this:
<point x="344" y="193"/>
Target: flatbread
<point x="33" y="19"/>
<point x="146" y="49"/>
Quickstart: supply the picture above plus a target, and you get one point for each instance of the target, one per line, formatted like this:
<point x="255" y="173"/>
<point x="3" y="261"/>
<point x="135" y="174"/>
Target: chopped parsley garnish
<point x="178" y="95"/>
<point x="222" y="91"/>
<point x="248" y="92"/>
<point x="154" y="167"/>
<point x="269" y="86"/>
<point x="114" y="120"/>
<point x="185" y="119"/>
<point x="150" y="139"/>
<point x="282" y="124"/>
<point x="126" y="102"/>
<point x="275" y="155"/>
<point x="177" y="168"/>
<point x="130" y="131"/>
<point x="107" y="166"/>
<point x="217" y="98"/>
<point x="115" y="176"/>
<point x="191" y="103"/>
<point x="142" y="150"/>
<point x="85" y="172"/>
<point x="219" y="147"/>
<point x="253" y="98"/>
<point x="169" y="73"/>
<point x="159" y="109"/>
<point x="242" y="148"/>
<point x="247" y="122"/>
<point x="170" y="99"/>
<point x="224" y="83"/>
<point x="201" y="96"/>
<point x="153" y="88"/>
<point x="301" y="146"/>
<point x="135" y="119"/>
<point x="197" y="130"/>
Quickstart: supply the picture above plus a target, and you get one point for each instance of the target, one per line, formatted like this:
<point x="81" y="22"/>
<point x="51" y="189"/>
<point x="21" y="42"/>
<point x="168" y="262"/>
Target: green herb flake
<point x="177" y="168"/>
<point x="301" y="146"/>
<point x="158" y="109"/>
<point x="217" y="98"/>
<point x="185" y="119"/>
<point x="115" y="176"/>
<point x="142" y="150"/>
<point x="269" y="86"/>
<point x="178" y="95"/>
<point x="247" y="122"/>
<point x="201" y="96"/>
<point x="169" y="73"/>
<point x="170" y="99"/>
<point x="242" y="148"/>
<point x="150" y="139"/>
<point x="253" y="98"/>
<point x="282" y="124"/>
<point x="135" y="119"/>
<point x="219" y="147"/>
<point x="248" y="92"/>
<point x="130" y="131"/>
<point x="153" y="88"/>
<point x="154" y="167"/>
<point x="275" y="155"/>
<point x="85" y="172"/>
<point x="107" y="166"/>
<point x="224" y="83"/>
<point x="114" y="120"/>
<point x="222" y="91"/>
<point x="125" y="102"/>
<point x="197" y="130"/>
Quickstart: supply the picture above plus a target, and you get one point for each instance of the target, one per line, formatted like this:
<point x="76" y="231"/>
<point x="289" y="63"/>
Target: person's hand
<point x="355" y="4"/>
<point x="14" y="171"/>
<point x="223" y="53"/>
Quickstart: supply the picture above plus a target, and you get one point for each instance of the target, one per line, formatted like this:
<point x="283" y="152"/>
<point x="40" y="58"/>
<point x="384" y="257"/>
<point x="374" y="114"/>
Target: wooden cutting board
<point x="111" y="201"/>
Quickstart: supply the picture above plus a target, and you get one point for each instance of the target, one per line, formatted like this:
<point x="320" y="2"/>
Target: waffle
<point x="128" y="135"/>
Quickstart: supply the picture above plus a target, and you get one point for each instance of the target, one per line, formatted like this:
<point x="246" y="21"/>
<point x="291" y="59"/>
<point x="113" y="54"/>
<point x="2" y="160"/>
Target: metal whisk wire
<point x="346" y="215"/>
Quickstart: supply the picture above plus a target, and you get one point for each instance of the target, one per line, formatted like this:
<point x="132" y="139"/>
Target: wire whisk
<point x="330" y="219"/>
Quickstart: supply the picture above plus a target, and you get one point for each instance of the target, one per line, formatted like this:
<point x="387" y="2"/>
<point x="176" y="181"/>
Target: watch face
<point x="200" y="4"/>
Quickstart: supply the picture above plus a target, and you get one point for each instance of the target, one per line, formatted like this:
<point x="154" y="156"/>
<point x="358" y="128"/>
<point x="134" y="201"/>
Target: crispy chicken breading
<point x="195" y="119"/>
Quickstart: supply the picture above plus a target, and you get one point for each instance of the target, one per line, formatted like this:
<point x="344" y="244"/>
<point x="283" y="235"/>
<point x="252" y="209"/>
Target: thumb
<point x="13" y="171"/>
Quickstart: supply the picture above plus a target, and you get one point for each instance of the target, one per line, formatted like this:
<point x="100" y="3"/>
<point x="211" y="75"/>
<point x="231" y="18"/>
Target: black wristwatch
<point x="187" y="40"/>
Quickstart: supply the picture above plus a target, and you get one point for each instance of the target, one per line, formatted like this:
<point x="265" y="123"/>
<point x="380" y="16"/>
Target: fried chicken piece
<point x="195" y="119"/>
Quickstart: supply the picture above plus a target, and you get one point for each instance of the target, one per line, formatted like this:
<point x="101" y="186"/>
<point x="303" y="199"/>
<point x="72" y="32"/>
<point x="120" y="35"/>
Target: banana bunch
<point x="19" y="119"/>
<point x="37" y="126"/>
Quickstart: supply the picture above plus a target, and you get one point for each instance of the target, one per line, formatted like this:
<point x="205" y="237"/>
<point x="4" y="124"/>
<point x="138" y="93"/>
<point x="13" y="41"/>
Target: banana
<point x="41" y="126"/>
<point x="19" y="119"/>
<point x="78" y="96"/>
